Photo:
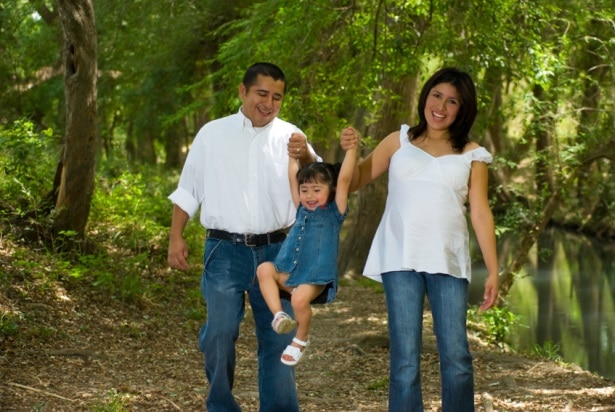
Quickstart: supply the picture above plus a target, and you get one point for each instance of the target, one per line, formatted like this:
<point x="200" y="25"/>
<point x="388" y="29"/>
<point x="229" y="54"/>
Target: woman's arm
<point x="376" y="163"/>
<point x="484" y="227"/>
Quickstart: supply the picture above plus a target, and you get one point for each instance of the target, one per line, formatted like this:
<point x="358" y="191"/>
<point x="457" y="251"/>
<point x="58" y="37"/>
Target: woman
<point x="421" y="247"/>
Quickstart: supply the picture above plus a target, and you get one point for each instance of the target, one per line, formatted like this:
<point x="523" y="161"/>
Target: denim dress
<point x="309" y="253"/>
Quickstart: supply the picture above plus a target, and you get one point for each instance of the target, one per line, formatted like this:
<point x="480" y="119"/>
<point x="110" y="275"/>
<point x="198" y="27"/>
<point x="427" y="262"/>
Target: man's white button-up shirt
<point x="238" y="174"/>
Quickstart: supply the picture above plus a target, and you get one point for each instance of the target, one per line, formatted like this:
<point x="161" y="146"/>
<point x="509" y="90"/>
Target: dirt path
<point x="84" y="352"/>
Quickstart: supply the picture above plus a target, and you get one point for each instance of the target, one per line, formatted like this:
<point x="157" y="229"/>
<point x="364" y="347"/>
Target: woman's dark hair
<point x="320" y="172"/>
<point x="460" y="128"/>
<point x="264" y="69"/>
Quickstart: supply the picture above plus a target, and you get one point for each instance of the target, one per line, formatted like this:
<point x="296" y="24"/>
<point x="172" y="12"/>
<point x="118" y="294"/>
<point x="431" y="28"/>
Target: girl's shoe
<point x="294" y="352"/>
<point x="282" y="323"/>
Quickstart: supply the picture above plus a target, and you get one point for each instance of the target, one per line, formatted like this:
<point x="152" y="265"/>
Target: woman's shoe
<point x="294" y="352"/>
<point x="282" y="323"/>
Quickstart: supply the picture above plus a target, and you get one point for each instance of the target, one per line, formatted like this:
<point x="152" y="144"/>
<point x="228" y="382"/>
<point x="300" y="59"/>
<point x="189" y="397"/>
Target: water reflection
<point x="565" y="295"/>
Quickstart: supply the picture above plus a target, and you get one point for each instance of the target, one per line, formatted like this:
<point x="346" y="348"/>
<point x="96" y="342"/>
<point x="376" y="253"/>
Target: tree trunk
<point x="76" y="168"/>
<point x="370" y="202"/>
<point x="494" y="138"/>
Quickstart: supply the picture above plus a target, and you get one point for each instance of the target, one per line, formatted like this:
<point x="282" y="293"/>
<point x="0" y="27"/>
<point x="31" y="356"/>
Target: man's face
<point x="262" y="102"/>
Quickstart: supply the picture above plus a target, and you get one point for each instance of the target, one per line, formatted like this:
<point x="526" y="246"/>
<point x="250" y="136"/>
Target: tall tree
<point x="75" y="173"/>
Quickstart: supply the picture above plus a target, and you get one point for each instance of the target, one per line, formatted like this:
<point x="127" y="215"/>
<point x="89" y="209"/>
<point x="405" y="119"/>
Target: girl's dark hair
<point x="264" y="69"/>
<point x="460" y="128"/>
<point x="320" y="172"/>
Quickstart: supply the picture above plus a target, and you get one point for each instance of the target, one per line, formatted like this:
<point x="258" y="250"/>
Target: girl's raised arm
<point x="293" y="168"/>
<point x="348" y="167"/>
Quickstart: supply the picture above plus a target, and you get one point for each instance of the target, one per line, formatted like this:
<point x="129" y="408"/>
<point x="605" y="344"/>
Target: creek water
<point x="564" y="296"/>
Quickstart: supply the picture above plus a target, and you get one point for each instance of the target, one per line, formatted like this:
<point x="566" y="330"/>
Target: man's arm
<point x="178" y="248"/>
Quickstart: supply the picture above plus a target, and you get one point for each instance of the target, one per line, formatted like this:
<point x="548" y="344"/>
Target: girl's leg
<point x="270" y="282"/>
<point x="300" y="300"/>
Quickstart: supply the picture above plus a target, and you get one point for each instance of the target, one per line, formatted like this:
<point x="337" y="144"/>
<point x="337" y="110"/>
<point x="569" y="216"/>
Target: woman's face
<point x="441" y="106"/>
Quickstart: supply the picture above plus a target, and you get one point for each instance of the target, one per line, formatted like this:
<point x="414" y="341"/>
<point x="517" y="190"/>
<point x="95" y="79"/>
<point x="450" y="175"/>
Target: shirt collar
<point x="244" y="122"/>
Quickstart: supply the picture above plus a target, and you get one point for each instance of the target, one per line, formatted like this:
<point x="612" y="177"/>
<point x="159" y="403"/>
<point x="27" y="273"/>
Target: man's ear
<point x="242" y="90"/>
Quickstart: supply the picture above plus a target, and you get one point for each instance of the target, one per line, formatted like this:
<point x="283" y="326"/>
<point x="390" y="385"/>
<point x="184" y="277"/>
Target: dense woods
<point x="544" y="71"/>
<point x="100" y="101"/>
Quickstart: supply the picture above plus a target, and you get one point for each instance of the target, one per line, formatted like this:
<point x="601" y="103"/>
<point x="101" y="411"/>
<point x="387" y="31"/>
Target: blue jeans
<point x="448" y="299"/>
<point x="229" y="272"/>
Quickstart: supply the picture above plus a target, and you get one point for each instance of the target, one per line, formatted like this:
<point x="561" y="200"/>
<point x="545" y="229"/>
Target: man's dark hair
<point x="264" y="69"/>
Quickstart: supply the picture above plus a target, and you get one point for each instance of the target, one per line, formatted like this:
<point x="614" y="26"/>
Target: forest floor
<point x="78" y="349"/>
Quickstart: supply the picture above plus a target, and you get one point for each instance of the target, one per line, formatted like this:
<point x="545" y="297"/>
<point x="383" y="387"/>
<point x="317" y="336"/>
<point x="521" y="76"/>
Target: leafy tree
<point x="543" y="72"/>
<point x="74" y="183"/>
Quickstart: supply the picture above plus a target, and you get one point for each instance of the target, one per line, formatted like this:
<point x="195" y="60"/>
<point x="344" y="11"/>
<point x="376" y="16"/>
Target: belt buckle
<point x="247" y="242"/>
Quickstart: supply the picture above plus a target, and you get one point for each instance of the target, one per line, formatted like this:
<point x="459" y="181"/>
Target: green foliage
<point x="378" y="384"/>
<point x="30" y="79"/>
<point x="543" y="72"/>
<point x="366" y="282"/>
<point x="499" y="322"/>
<point x="28" y="158"/>
<point x="9" y="324"/>
<point x="134" y="208"/>
<point x="115" y="402"/>
<point x="548" y="350"/>
<point x="194" y="305"/>
<point x="130" y="211"/>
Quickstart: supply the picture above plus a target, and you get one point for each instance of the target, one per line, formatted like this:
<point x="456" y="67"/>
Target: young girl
<point x="306" y="266"/>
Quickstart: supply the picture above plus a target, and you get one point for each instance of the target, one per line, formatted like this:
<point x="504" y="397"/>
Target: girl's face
<point x="441" y="106"/>
<point x="313" y="194"/>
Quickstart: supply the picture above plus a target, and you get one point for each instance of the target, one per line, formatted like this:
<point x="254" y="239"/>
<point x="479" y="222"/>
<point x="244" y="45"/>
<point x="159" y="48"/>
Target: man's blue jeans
<point x="448" y="300"/>
<point x="229" y="272"/>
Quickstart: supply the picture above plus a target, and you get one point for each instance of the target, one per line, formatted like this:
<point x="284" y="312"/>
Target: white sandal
<point x="282" y="323"/>
<point x="294" y="352"/>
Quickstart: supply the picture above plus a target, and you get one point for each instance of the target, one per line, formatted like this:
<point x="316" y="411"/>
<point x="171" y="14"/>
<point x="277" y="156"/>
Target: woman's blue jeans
<point x="229" y="272"/>
<point x="448" y="300"/>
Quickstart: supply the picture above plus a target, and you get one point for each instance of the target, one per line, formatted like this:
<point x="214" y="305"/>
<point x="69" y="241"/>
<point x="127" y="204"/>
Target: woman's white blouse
<point x="424" y="225"/>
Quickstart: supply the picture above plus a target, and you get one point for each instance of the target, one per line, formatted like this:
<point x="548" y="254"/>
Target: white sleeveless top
<point x="424" y="225"/>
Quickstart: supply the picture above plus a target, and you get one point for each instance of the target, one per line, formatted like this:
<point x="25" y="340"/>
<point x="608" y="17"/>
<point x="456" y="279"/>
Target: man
<point x="236" y="171"/>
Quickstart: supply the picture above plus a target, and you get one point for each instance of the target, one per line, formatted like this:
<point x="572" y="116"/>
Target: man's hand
<point x="297" y="145"/>
<point x="298" y="148"/>
<point x="178" y="248"/>
<point x="178" y="253"/>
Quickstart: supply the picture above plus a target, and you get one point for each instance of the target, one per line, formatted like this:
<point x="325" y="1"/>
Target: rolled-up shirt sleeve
<point x="189" y="193"/>
<point x="184" y="199"/>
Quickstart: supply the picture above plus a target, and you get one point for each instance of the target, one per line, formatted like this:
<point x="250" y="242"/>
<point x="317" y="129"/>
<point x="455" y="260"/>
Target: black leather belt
<point x="248" y="239"/>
